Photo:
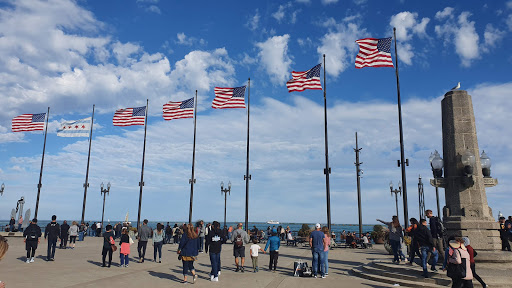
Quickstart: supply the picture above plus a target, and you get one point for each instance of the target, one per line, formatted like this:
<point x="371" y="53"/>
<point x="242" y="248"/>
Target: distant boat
<point x="274" y="222"/>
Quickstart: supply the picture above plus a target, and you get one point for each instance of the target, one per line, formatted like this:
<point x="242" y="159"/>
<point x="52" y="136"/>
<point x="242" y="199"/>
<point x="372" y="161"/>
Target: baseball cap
<point x="317" y="225"/>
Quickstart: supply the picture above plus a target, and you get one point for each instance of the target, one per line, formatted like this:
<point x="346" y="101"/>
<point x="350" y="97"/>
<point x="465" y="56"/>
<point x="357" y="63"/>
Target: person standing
<point x="395" y="236"/>
<point x="214" y="241"/>
<point x="176" y="233"/>
<point x="168" y="233"/>
<point x="158" y="241"/>
<point x="31" y="235"/>
<point x="64" y="229"/>
<point x="11" y="224"/>
<point x="124" y="244"/>
<point x="437" y="231"/>
<point x="188" y="251"/>
<point x="327" y="242"/>
<point x="20" y="222"/>
<point x="52" y="232"/>
<point x="98" y="229"/>
<point x="93" y="229"/>
<point x="200" y="230"/>
<point x="108" y="241"/>
<point x="505" y="244"/>
<point x="273" y="243"/>
<point x="73" y="232"/>
<point x="144" y="234"/>
<point x="426" y="245"/>
<point x="316" y="242"/>
<point x="239" y="237"/>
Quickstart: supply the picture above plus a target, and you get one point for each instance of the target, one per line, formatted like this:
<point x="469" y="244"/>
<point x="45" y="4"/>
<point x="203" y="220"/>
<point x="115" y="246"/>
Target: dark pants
<point x="141" y="248"/>
<point x="414" y="250"/>
<point x="505" y="245"/>
<point x="215" y="261"/>
<point x="104" y="255"/>
<point x="273" y="260"/>
<point x="52" y="243"/>
<point x="63" y="240"/>
<point x="31" y="247"/>
<point x="176" y="240"/>
<point x="188" y="266"/>
<point x="476" y="275"/>
<point x="157" y="248"/>
<point x="201" y="244"/>
<point x="395" y="246"/>
<point x="459" y="283"/>
<point x="98" y="232"/>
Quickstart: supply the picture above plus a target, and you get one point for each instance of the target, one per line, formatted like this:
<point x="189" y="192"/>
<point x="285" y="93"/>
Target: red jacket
<point x="471" y="254"/>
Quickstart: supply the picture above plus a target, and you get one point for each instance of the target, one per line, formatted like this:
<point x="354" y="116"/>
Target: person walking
<point x="158" y="241"/>
<point x="436" y="229"/>
<point x="176" y="234"/>
<point x="64" y="230"/>
<point x="73" y="233"/>
<point x="239" y="237"/>
<point x="188" y="251"/>
<point x="395" y="236"/>
<point x="143" y="235"/>
<point x="457" y="252"/>
<point x="255" y="248"/>
<point x="52" y="232"/>
<point x="214" y="241"/>
<point x="274" y="242"/>
<point x="108" y="241"/>
<point x="472" y="254"/>
<point x="31" y="235"/>
<point x="316" y="242"/>
<point x="327" y="242"/>
<point x="93" y="229"/>
<point x="168" y="233"/>
<point x="411" y="230"/>
<point x="426" y="245"/>
<point x="124" y="244"/>
<point x="3" y="249"/>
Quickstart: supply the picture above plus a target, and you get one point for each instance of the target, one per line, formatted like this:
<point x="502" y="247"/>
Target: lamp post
<point x="225" y="191"/>
<point x="104" y="192"/>
<point x="396" y="191"/>
<point x="486" y="165"/>
<point x="2" y="188"/>
<point x="437" y="164"/>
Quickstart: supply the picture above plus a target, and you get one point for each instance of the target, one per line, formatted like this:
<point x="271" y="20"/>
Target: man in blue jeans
<point x="316" y="242"/>
<point x="426" y="244"/>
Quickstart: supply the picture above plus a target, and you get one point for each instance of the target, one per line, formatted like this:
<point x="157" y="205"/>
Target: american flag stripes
<point x="305" y="80"/>
<point x="374" y="52"/>
<point x="179" y="110"/>
<point x="229" y="98"/>
<point x="28" y="122"/>
<point x="130" y="116"/>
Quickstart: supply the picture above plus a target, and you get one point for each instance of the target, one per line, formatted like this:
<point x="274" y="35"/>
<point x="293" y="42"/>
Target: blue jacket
<point x="274" y="242"/>
<point x="188" y="247"/>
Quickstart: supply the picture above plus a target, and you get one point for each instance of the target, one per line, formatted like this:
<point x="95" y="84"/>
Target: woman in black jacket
<point x="214" y="241"/>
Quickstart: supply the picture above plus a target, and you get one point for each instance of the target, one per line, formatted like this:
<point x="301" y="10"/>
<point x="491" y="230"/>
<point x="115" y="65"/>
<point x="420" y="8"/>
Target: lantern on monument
<point x="486" y="165"/>
<point x="468" y="160"/>
<point x="437" y="164"/>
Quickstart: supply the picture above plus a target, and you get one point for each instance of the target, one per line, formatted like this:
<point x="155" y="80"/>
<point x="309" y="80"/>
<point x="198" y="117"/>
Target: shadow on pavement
<point x="95" y="263"/>
<point x="165" y="276"/>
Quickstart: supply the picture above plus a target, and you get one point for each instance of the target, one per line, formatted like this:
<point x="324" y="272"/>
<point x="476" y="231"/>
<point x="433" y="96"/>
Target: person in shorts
<point x="239" y="237"/>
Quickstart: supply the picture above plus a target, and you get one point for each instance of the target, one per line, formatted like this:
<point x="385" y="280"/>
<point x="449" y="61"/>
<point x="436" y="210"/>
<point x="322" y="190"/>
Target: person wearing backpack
<point x="436" y="229"/>
<point x="32" y="234"/>
<point x="459" y="268"/>
<point x="239" y="238"/>
<point x="52" y="232"/>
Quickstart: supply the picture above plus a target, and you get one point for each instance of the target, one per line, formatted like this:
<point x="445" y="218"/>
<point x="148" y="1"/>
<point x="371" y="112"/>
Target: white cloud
<point x="339" y="46"/>
<point x="446" y="13"/>
<point x="279" y="14"/>
<point x="189" y="41"/>
<point x="461" y="31"/>
<point x="509" y="22"/>
<point x="509" y="5"/>
<point x="274" y="58"/>
<point x="254" y="21"/>
<point x="307" y="42"/>
<point x="286" y="10"/>
<point x="327" y="2"/>
<point x="304" y="1"/>
<point x="154" y="9"/>
<point x="407" y="25"/>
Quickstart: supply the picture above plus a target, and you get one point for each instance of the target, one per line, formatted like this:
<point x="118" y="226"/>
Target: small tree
<point x="304" y="231"/>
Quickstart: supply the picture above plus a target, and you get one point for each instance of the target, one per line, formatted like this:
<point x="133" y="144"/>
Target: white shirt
<point x="365" y="240"/>
<point x="254" y="250"/>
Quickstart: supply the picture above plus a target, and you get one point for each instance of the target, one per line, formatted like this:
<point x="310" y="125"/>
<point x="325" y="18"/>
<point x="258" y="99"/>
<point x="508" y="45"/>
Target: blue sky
<point x="70" y="55"/>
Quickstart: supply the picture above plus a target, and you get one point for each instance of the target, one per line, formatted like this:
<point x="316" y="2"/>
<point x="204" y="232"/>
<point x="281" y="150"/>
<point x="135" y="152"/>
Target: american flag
<point x="28" y="122"/>
<point x="305" y="80"/>
<point x="179" y="110"/>
<point x="374" y="52"/>
<point x="229" y="98"/>
<point x="130" y="116"/>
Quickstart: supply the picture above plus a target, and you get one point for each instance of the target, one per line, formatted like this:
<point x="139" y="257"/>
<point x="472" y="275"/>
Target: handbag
<point x="131" y="240"/>
<point x="114" y="248"/>
<point x="457" y="271"/>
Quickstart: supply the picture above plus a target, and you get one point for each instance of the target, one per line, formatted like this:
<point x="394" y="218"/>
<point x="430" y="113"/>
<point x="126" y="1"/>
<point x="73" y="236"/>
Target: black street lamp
<point x="396" y="191"/>
<point x="225" y="191"/>
<point x="437" y="164"/>
<point x="2" y="188"/>
<point x="104" y="192"/>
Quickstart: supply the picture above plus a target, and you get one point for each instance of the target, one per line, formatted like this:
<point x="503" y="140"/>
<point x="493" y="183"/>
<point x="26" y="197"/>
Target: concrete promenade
<point x="80" y="267"/>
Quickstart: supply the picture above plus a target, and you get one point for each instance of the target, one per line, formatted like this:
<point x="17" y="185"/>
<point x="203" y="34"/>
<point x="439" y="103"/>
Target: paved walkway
<point x="80" y="267"/>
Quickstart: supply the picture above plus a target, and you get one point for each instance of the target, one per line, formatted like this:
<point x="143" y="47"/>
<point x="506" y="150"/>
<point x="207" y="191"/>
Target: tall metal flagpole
<point x="86" y="184"/>
<point x="247" y="176"/>
<point x="327" y="169"/>
<point x="193" y="180"/>
<point x="358" y="171"/>
<point x="141" y="183"/>
<point x="42" y="163"/>
<point x="403" y="162"/>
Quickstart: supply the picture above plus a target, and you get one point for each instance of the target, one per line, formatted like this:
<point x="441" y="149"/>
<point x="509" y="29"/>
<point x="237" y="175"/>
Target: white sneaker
<point x="218" y="273"/>
<point x="32" y="260"/>
<point x="28" y="260"/>
<point x="211" y="277"/>
<point x="216" y="279"/>
<point x="194" y="279"/>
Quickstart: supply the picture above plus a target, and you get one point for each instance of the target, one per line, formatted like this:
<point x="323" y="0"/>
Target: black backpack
<point x="440" y="227"/>
<point x="33" y="234"/>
